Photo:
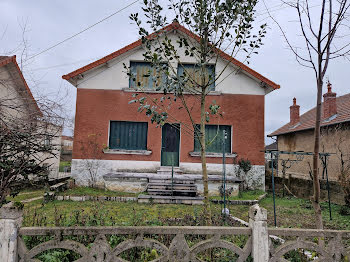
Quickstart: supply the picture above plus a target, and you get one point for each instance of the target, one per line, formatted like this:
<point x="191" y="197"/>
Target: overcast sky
<point x="49" y="22"/>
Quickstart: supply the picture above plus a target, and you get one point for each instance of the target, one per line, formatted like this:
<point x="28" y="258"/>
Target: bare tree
<point x="325" y="35"/>
<point x="28" y="131"/>
<point x="29" y="128"/>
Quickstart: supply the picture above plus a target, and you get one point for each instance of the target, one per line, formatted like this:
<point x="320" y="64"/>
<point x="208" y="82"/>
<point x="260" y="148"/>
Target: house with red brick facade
<point x="132" y="149"/>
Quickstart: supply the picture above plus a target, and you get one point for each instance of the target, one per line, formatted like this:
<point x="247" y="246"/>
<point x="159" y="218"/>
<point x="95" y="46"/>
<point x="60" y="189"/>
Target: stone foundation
<point x="137" y="174"/>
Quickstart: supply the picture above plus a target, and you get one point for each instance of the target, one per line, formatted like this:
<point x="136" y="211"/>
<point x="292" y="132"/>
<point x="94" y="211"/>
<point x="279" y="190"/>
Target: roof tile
<point x="307" y="120"/>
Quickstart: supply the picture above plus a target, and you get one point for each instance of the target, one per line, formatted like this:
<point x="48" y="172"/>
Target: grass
<point x="121" y="213"/>
<point x="63" y="164"/>
<point x="291" y="212"/>
<point x="246" y="195"/>
<point x="299" y="213"/>
<point x="88" y="191"/>
<point x="27" y="194"/>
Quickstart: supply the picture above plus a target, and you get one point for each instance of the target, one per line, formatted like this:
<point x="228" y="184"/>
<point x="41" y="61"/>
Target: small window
<point x="194" y="73"/>
<point x="47" y="141"/>
<point x="145" y="77"/>
<point x="213" y="138"/>
<point x="128" y="135"/>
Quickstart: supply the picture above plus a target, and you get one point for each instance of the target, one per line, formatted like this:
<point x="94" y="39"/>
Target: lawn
<point x="246" y="195"/>
<point x="297" y="213"/>
<point x="88" y="191"/>
<point x="26" y="194"/>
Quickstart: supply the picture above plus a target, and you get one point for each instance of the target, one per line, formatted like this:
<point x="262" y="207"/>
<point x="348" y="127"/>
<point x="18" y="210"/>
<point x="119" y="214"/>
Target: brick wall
<point x="95" y="108"/>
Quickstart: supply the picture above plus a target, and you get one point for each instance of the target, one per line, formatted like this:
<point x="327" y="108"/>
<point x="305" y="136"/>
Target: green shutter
<point x="213" y="138"/>
<point x="128" y="135"/>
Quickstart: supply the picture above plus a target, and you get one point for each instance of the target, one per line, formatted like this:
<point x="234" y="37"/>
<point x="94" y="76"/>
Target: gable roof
<point x="272" y="146"/>
<point x="307" y="120"/>
<point x="166" y="29"/>
<point x="11" y="61"/>
<point x="67" y="138"/>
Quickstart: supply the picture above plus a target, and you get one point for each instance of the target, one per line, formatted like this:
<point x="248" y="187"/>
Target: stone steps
<point x="158" y="192"/>
<point x="59" y="187"/>
<point x="168" y="181"/>
<point x="171" y="186"/>
<point x="167" y="170"/>
<point x="170" y="199"/>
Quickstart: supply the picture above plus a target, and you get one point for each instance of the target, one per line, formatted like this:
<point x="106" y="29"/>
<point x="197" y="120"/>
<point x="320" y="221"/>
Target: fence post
<point x="260" y="236"/>
<point x="10" y="222"/>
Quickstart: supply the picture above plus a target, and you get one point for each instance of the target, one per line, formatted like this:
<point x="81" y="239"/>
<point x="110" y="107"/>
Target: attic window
<point x="190" y="74"/>
<point x="330" y="118"/>
<point x="145" y="77"/>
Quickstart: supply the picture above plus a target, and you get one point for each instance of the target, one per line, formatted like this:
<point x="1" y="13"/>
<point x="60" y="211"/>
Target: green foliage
<point x="64" y="164"/>
<point x="344" y="211"/>
<point x="245" y="165"/>
<point x="18" y="205"/>
<point x="58" y="255"/>
<point x="23" y="151"/>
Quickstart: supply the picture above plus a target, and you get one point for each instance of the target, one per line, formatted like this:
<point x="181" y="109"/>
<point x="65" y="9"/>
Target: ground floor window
<point x="213" y="138"/>
<point x="128" y="135"/>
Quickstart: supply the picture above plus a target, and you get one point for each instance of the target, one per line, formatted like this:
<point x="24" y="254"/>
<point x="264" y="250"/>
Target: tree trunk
<point x="207" y="211"/>
<point x="316" y="182"/>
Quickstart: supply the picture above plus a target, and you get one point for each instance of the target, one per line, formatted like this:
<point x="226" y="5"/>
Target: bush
<point x="344" y="211"/>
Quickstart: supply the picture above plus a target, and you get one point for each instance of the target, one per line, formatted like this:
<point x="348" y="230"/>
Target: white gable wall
<point x="112" y="76"/>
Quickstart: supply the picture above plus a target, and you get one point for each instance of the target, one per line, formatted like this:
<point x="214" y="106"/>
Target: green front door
<point x="170" y="145"/>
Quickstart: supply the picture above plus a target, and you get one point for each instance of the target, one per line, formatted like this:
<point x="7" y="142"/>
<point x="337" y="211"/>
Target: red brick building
<point x="130" y="144"/>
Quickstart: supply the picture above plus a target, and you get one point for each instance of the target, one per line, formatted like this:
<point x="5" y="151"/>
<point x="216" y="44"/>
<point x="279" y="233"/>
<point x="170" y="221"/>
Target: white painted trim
<point x="127" y="152"/>
<point x="210" y="154"/>
<point x="131" y="90"/>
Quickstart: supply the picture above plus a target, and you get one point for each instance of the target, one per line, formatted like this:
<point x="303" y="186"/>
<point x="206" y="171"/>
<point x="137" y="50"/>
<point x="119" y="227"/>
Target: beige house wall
<point x="16" y="105"/>
<point x="13" y="104"/>
<point x="331" y="139"/>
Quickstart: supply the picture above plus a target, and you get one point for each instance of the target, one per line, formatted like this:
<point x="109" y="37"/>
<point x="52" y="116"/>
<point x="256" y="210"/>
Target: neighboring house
<point x="298" y="134"/>
<point x="133" y="145"/>
<point x="17" y="105"/>
<point x="269" y="156"/>
<point x="66" y="148"/>
<point x="67" y="143"/>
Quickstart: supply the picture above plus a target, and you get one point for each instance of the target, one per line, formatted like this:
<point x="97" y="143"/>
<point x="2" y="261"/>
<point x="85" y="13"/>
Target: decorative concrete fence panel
<point x="172" y="244"/>
<point x="316" y="245"/>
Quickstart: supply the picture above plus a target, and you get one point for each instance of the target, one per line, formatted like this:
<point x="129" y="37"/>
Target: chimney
<point x="329" y="102"/>
<point x="294" y="112"/>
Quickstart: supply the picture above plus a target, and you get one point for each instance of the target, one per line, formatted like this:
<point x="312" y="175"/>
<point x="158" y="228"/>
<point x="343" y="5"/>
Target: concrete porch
<point x="164" y="183"/>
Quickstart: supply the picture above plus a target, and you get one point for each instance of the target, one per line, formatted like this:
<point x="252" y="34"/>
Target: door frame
<point x="161" y="146"/>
